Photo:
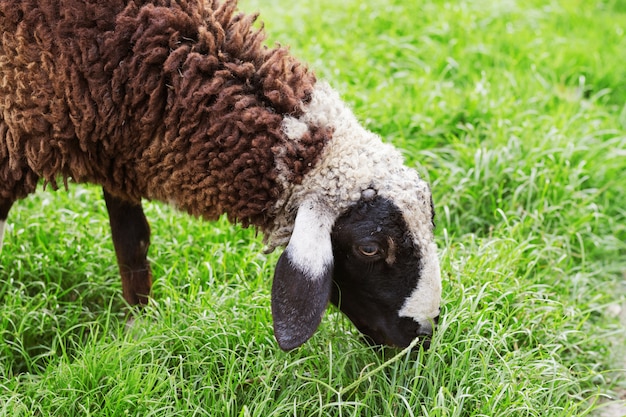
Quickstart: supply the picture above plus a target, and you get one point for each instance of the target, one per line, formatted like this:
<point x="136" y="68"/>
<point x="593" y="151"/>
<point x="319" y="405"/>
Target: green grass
<point x="516" y="111"/>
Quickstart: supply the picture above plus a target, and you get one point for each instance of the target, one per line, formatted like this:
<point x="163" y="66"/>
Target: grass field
<point x="516" y="111"/>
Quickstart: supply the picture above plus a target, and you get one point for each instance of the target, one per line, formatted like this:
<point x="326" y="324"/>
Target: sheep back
<point x="171" y="100"/>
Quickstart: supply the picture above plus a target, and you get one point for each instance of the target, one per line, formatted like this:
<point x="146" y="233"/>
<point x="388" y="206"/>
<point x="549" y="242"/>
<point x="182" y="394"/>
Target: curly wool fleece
<point x="177" y="101"/>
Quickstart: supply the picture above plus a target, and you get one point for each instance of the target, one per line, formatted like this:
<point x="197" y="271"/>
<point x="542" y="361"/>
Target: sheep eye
<point x="369" y="250"/>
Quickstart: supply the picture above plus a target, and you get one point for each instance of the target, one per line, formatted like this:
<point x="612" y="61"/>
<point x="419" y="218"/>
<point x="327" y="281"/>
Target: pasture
<point x="515" y="111"/>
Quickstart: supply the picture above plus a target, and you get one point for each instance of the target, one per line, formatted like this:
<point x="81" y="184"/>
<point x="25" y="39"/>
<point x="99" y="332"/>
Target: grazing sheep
<point x="179" y="101"/>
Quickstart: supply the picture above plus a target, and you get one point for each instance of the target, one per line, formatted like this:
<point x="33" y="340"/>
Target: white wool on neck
<point x="353" y="160"/>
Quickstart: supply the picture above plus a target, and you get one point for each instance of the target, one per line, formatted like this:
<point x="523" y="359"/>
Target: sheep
<point x="180" y="101"/>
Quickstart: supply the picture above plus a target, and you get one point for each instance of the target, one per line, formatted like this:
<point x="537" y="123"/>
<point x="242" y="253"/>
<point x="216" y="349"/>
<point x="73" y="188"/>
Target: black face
<point x="376" y="269"/>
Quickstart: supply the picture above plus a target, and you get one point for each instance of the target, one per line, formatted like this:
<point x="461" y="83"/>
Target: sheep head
<point x="368" y="264"/>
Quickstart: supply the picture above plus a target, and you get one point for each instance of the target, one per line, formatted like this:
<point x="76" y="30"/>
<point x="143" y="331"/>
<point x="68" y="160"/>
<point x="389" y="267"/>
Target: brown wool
<point x="177" y="101"/>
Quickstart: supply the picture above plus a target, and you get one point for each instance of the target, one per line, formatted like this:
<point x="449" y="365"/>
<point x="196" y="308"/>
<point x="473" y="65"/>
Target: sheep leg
<point x="5" y="206"/>
<point x="131" y="239"/>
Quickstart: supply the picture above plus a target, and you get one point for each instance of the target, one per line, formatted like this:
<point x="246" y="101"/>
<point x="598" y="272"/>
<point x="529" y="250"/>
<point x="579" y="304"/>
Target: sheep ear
<point x="303" y="278"/>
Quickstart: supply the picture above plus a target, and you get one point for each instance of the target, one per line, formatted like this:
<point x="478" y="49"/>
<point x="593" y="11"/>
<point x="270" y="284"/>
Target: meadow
<point x="516" y="113"/>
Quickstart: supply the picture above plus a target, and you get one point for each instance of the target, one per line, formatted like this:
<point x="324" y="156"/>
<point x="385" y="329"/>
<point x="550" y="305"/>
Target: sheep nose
<point x="431" y="324"/>
<point x="426" y="328"/>
<point x="425" y="332"/>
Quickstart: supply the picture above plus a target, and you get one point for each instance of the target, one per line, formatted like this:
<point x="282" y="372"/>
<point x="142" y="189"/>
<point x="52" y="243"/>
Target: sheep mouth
<point x="394" y="338"/>
<point x="382" y="326"/>
<point x="424" y="342"/>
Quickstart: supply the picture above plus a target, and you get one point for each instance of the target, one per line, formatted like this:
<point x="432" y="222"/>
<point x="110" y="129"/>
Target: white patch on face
<point x="2" y="224"/>
<point x="310" y="248"/>
<point x="423" y="304"/>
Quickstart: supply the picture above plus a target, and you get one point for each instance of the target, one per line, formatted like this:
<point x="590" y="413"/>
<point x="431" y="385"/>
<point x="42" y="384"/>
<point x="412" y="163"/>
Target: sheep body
<point x="191" y="85"/>
<point x="179" y="101"/>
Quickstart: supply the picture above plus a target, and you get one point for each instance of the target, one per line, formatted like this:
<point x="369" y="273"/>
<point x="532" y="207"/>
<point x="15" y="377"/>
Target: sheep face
<point x="377" y="268"/>
<point x="368" y="263"/>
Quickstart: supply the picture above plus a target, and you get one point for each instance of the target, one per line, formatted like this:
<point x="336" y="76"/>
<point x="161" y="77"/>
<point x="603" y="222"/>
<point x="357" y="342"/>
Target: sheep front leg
<point x="5" y="206"/>
<point x="131" y="238"/>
